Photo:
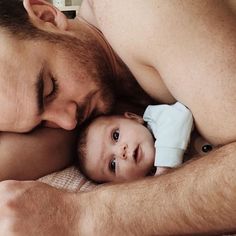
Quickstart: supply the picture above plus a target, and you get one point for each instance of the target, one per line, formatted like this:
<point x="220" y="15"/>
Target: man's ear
<point x="134" y="116"/>
<point x="42" y="12"/>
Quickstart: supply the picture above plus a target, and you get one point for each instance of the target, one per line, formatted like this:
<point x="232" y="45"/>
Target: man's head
<point x="116" y="148"/>
<point x="48" y="71"/>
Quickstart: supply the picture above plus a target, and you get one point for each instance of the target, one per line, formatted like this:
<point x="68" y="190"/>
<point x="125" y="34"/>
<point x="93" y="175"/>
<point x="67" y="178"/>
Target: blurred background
<point x="68" y="7"/>
<point x="60" y="3"/>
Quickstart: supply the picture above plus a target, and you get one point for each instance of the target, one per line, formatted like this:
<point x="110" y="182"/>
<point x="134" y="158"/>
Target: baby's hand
<point x="161" y="170"/>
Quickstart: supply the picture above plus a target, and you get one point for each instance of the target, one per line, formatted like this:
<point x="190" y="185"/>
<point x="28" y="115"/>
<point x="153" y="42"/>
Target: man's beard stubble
<point x="91" y="57"/>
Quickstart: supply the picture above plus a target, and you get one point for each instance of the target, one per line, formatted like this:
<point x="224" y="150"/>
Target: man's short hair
<point x="15" y="20"/>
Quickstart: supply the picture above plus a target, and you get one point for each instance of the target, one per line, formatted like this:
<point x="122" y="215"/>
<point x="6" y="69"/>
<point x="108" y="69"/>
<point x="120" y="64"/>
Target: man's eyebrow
<point x="40" y="90"/>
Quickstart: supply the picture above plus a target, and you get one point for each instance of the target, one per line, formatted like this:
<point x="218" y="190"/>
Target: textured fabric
<point x="69" y="179"/>
<point x="171" y="126"/>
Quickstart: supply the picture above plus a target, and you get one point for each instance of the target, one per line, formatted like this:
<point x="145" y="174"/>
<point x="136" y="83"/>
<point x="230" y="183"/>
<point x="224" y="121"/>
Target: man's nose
<point x="64" y="117"/>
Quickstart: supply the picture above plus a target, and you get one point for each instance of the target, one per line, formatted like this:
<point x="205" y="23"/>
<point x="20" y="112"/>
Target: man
<point x="51" y="89"/>
<point x="177" y="50"/>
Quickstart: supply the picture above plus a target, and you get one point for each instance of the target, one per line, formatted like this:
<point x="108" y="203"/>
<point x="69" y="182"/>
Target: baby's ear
<point x="134" y="116"/>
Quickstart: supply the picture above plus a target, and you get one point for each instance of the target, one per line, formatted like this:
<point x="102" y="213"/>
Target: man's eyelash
<point x="55" y="86"/>
<point x="54" y="91"/>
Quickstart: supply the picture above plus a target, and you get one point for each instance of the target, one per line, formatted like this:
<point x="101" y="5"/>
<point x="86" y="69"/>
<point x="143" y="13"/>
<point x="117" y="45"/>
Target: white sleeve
<point x="171" y="126"/>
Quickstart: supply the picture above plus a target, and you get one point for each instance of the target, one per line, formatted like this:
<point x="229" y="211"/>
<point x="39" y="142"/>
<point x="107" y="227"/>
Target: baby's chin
<point x="152" y="171"/>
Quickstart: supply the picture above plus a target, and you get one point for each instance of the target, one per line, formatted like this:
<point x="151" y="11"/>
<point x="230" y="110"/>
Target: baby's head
<point x="116" y="148"/>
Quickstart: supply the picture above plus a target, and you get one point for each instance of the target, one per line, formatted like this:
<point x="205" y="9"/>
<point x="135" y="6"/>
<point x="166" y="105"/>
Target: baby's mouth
<point x="137" y="154"/>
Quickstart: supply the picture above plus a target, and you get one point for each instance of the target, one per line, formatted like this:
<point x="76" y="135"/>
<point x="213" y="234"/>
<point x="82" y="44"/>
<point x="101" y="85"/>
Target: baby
<point x="120" y="148"/>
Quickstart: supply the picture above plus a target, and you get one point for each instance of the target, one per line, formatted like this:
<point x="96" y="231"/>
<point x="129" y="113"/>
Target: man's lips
<point x="137" y="154"/>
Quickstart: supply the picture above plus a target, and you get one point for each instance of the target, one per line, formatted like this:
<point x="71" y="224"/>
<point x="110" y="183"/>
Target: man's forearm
<point x="197" y="198"/>
<point x="33" y="155"/>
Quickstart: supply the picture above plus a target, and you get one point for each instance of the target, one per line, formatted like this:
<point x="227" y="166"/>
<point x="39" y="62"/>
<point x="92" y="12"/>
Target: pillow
<point x="69" y="179"/>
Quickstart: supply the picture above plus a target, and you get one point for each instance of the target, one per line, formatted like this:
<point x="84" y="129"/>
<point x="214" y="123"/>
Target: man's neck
<point x="126" y="86"/>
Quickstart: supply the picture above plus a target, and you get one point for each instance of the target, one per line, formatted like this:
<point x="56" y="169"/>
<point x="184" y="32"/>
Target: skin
<point x="111" y="144"/>
<point x="190" y="54"/>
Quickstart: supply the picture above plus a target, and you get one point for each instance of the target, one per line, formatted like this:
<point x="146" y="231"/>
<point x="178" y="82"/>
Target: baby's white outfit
<point x="171" y="126"/>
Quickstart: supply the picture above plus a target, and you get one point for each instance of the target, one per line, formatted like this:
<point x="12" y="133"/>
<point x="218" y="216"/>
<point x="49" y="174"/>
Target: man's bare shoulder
<point x="126" y="24"/>
<point x="181" y="44"/>
<point x="87" y="13"/>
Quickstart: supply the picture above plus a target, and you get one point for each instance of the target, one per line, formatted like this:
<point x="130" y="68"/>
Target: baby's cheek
<point x="135" y="174"/>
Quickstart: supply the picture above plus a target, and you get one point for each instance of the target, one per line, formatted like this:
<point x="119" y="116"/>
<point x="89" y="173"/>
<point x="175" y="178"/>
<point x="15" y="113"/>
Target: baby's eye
<point x="112" y="165"/>
<point x="115" y="135"/>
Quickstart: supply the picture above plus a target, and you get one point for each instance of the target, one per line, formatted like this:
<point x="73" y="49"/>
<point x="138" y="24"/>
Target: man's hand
<point x="33" y="208"/>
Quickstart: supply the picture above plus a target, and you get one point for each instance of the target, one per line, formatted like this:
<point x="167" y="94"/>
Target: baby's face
<point x="118" y="149"/>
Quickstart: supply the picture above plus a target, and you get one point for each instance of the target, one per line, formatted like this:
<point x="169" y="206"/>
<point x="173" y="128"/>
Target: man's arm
<point x="30" y="156"/>
<point x="197" y="198"/>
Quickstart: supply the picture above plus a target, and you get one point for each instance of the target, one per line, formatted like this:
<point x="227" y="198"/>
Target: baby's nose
<point x="123" y="151"/>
